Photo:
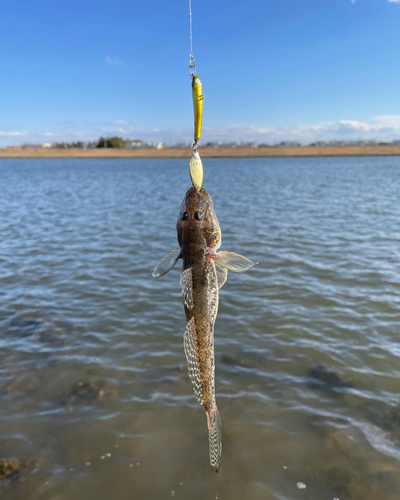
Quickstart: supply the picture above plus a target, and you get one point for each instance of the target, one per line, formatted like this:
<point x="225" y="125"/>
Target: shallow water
<point x="94" y="391"/>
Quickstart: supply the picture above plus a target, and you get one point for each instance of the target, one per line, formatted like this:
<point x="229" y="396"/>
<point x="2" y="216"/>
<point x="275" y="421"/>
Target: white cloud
<point x="11" y="134"/>
<point x="394" y="1"/>
<point x="113" y="60"/>
<point x="381" y="128"/>
<point x="51" y="134"/>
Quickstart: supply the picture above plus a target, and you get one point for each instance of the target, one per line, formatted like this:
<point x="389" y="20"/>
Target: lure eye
<point x="199" y="215"/>
<point x="185" y="215"/>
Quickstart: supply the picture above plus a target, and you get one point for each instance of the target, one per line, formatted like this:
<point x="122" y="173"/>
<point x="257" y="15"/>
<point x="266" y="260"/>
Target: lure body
<point x="197" y="91"/>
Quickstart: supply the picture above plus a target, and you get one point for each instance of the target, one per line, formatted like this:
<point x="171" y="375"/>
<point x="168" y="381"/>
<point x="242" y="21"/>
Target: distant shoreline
<point x="270" y="152"/>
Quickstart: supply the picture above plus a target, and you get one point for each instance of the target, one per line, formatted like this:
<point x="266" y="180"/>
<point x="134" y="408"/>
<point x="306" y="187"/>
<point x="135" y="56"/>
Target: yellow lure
<point x="196" y="170"/>
<point x="197" y="91"/>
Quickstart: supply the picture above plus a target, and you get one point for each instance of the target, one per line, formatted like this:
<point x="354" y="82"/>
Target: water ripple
<point x="91" y="355"/>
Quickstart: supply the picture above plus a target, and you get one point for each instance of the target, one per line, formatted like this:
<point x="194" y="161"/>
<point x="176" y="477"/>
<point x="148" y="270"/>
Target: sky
<point x="272" y="70"/>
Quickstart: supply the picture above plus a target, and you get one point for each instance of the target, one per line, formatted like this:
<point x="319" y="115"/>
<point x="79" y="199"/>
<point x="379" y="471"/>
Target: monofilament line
<point x="192" y="63"/>
<point x="191" y="27"/>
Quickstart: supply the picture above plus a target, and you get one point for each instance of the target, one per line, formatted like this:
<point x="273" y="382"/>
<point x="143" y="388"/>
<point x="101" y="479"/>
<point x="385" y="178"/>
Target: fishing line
<point x="192" y="63"/>
<point x="195" y="164"/>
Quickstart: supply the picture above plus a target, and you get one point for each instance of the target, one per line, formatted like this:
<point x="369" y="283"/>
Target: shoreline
<point x="268" y="152"/>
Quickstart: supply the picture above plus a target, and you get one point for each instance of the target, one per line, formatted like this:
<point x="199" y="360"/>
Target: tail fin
<point x="214" y="437"/>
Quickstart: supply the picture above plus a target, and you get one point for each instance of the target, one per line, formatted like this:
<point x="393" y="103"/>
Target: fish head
<point x="197" y="221"/>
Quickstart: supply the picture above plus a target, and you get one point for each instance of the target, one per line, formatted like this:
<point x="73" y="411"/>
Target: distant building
<point x="156" y="145"/>
<point x="137" y="143"/>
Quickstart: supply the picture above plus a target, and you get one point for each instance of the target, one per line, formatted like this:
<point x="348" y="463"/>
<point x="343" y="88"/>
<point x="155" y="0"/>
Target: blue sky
<point x="271" y="70"/>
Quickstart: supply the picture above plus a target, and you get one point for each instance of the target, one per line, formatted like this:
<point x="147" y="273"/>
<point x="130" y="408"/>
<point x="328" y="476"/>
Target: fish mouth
<point x="192" y="195"/>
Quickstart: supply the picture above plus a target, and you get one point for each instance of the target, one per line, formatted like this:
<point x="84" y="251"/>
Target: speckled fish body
<point x="204" y="271"/>
<point x="198" y="234"/>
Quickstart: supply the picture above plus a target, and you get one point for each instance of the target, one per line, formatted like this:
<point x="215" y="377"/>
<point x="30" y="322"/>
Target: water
<point x="94" y="392"/>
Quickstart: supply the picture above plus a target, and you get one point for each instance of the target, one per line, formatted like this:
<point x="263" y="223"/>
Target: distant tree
<point x="116" y="142"/>
<point x="111" y="142"/>
<point x="78" y="144"/>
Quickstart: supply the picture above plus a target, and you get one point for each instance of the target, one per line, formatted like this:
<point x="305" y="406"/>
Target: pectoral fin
<point x="234" y="262"/>
<point x="166" y="264"/>
<point x="222" y="275"/>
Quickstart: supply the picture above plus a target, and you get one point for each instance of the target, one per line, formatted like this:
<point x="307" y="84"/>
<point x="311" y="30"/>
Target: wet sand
<point x="389" y="150"/>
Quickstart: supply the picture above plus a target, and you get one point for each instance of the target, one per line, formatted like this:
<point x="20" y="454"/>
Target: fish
<point x="197" y="93"/>
<point x="205" y="270"/>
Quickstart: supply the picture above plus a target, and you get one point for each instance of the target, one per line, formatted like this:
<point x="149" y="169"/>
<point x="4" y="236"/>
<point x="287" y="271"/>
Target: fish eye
<point x="185" y="215"/>
<point x="199" y="215"/>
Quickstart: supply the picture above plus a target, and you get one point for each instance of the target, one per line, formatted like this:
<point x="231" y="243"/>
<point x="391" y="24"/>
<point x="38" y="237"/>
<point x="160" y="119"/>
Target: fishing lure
<point x="195" y="164"/>
<point x="197" y="91"/>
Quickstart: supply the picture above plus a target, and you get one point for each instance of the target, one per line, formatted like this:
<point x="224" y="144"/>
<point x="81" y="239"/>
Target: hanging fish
<point x="197" y="91"/>
<point x="204" y="272"/>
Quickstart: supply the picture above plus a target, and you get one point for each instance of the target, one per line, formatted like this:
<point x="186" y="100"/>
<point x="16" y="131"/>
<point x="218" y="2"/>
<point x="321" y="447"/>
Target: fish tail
<point x="214" y="437"/>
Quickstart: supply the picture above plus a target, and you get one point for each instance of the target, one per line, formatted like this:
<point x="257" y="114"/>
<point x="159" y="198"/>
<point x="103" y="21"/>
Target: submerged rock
<point x="385" y="416"/>
<point x="11" y="468"/>
<point x="328" y="379"/>
<point x="44" y="326"/>
<point x="90" y="391"/>
<point x="238" y="359"/>
<point x="344" y="474"/>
